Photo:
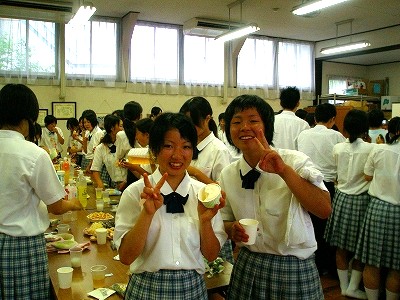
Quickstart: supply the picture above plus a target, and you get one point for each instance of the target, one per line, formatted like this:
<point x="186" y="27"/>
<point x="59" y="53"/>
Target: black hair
<point x="17" y="102"/>
<point x="393" y="130"/>
<point x="72" y="123"/>
<point x="155" y="111"/>
<point x="38" y="133"/>
<point x="119" y="113"/>
<point x="91" y="117"/>
<point x="166" y="122"/>
<point x="356" y="124"/>
<point x="221" y="116"/>
<point x="244" y="102"/>
<point x="301" y="113"/>
<point x="289" y="97"/>
<point x="324" y="112"/>
<point x="109" y="122"/>
<point x="375" y="118"/>
<point x="144" y="125"/>
<point x="49" y="119"/>
<point x="310" y="118"/>
<point x="132" y="113"/>
<point x="199" y="108"/>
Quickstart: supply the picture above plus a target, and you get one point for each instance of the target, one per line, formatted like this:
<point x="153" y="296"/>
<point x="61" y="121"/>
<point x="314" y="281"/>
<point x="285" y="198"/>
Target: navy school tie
<point x="249" y="179"/>
<point x="175" y="202"/>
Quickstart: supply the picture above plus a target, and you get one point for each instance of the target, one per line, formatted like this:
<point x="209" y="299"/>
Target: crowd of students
<point x="275" y="168"/>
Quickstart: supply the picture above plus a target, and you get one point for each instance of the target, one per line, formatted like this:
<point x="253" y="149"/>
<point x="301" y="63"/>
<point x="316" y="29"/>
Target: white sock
<point x="355" y="280"/>
<point x="391" y="296"/>
<point x="343" y="280"/>
<point x="372" y="294"/>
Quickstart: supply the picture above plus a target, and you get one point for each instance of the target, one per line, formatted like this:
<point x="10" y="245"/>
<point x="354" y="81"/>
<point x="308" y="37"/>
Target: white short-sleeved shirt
<point x="103" y="156"/>
<point x="50" y="139"/>
<point x="122" y="144"/>
<point x="383" y="164"/>
<point x="269" y="203"/>
<point x="28" y="183"/>
<point x="94" y="137"/>
<point x="173" y="241"/>
<point x="213" y="156"/>
<point x="287" y="127"/>
<point x="72" y="143"/>
<point x="317" y="143"/>
<point x="350" y="160"/>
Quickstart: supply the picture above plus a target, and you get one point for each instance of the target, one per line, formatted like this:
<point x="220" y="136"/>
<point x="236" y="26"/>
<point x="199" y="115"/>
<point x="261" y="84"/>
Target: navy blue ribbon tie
<point x="89" y="138"/>
<point x="249" y="179"/>
<point x="175" y="202"/>
<point x="51" y="132"/>
<point x="112" y="148"/>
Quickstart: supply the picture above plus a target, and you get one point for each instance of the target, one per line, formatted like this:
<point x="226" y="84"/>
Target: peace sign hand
<point x="270" y="160"/>
<point x="152" y="197"/>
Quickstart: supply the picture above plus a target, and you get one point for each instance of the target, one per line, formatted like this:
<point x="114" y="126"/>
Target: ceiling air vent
<point x="42" y="10"/>
<point x="208" y="27"/>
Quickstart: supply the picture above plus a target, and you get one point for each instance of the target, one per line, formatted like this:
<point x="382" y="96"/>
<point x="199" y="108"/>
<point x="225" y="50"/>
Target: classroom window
<point x="256" y="63"/>
<point x="154" y="54"/>
<point x="91" y="49"/>
<point x="273" y="64"/>
<point x="27" y="48"/>
<point x="203" y="61"/>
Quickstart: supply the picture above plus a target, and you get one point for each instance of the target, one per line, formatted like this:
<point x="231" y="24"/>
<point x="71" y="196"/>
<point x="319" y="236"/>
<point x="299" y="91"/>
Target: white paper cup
<point x="209" y="195"/>
<point x="76" y="257"/>
<point x="99" y="204"/>
<point x="98" y="275"/>
<point x="101" y="234"/>
<point x="64" y="277"/>
<point x="250" y="226"/>
<point x="62" y="228"/>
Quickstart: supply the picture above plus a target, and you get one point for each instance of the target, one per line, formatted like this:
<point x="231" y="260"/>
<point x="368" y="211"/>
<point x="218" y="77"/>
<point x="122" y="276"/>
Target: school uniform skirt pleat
<point x="167" y="285"/>
<point x="379" y="243"/>
<point x="24" y="270"/>
<point x="262" y="276"/>
<point x="344" y="224"/>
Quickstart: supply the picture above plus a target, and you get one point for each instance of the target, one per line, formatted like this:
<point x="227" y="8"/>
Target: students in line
<point x="277" y="187"/>
<point x="161" y="230"/>
<point x="379" y="243"/>
<point x="350" y="202"/>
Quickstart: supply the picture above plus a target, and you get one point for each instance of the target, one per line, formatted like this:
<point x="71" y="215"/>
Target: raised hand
<point x="270" y="160"/>
<point x="152" y="197"/>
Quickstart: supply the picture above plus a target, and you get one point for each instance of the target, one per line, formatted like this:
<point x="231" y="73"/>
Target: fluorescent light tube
<point x="311" y="6"/>
<point x="345" y="47"/>
<point x="237" y="33"/>
<point x="83" y="15"/>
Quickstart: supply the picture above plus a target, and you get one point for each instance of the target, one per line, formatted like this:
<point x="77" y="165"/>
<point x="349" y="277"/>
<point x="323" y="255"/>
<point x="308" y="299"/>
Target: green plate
<point x="66" y="245"/>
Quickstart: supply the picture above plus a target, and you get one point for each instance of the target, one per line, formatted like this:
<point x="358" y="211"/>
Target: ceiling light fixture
<point x="310" y="6"/>
<point x="83" y="14"/>
<point x="348" y="46"/>
<point x="239" y="32"/>
<point x="345" y="47"/>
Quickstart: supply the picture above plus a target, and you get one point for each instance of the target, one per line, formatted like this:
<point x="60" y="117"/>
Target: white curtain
<point x="27" y="51"/>
<point x="91" y="53"/>
<point x="154" y="60"/>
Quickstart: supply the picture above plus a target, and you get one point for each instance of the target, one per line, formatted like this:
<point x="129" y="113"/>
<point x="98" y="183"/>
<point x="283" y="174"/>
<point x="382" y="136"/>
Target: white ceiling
<point x="274" y="17"/>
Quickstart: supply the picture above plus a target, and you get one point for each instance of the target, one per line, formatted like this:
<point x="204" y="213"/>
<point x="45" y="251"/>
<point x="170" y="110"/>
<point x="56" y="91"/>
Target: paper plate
<point x="66" y="245"/>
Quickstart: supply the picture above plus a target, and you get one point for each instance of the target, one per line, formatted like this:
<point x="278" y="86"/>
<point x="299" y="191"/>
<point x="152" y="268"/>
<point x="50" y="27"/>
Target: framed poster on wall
<point x="43" y="112"/>
<point x="64" y="110"/>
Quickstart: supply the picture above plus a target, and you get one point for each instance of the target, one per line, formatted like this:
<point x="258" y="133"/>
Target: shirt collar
<point x="206" y="141"/>
<point x="182" y="189"/>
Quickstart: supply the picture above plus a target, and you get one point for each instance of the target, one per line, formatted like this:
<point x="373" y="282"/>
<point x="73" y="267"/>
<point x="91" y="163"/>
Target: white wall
<point x="106" y="100"/>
